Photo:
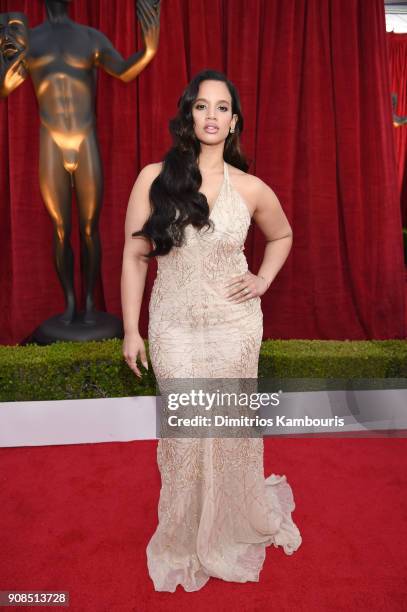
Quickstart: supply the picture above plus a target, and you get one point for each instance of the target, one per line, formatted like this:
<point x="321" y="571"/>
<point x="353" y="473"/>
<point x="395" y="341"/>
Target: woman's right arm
<point x="134" y="267"/>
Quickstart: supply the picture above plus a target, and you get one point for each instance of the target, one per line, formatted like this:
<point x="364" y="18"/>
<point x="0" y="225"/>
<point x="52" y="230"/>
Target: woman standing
<point x="217" y="512"/>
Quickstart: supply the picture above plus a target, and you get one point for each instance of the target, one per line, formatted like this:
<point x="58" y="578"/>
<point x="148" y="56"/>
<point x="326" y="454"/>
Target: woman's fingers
<point x="245" y="287"/>
<point x="133" y="350"/>
<point x="240" y="286"/>
<point x="143" y="358"/>
<point x="234" y="287"/>
<point x="132" y="363"/>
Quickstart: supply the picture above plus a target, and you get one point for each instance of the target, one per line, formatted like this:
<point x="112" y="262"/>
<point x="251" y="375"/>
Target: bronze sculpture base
<point x="104" y="327"/>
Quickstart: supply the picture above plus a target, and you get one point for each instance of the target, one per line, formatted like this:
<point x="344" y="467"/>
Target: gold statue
<point x="61" y="55"/>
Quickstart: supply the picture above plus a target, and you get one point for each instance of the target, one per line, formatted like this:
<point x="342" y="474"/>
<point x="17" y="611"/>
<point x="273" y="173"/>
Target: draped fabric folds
<point x="313" y="76"/>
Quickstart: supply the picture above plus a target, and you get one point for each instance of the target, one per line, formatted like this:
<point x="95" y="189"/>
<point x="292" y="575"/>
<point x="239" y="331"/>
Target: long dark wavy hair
<point x="174" y="197"/>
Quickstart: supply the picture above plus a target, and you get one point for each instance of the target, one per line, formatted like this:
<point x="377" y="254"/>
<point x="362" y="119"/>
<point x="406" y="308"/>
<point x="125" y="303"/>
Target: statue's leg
<point x="89" y="194"/>
<point x="56" y="192"/>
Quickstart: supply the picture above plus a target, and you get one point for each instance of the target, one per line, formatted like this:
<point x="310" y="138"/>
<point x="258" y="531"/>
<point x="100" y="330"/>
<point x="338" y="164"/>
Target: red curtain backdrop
<point x="397" y="44"/>
<point x="313" y="76"/>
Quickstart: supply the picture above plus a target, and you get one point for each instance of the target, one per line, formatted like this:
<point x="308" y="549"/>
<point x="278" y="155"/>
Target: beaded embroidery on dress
<point x="217" y="512"/>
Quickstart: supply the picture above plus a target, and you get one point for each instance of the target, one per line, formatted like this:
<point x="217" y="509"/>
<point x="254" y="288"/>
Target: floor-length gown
<point x="217" y="512"/>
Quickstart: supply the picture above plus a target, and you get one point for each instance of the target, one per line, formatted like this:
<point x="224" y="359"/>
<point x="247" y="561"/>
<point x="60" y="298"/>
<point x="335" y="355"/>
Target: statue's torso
<point x="61" y="62"/>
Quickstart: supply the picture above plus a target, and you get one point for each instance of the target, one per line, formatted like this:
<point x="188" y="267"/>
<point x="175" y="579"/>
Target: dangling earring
<point x="232" y="130"/>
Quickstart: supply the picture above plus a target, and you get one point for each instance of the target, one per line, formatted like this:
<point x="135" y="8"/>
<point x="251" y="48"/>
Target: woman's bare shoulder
<point x="248" y="185"/>
<point x="149" y="172"/>
<point x="244" y="179"/>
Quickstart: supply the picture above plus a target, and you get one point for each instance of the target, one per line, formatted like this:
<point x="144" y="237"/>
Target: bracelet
<point x="268" y="283"/>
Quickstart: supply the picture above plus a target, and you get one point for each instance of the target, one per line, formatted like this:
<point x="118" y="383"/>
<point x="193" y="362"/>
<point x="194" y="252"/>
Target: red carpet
<point x="78" y="518"/>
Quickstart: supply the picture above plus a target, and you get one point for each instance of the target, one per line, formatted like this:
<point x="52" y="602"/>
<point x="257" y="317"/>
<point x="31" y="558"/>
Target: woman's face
<point x="212" y="112"/>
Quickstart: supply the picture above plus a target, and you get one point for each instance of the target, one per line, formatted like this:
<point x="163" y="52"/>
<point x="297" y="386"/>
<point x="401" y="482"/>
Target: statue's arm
<point x="12" y="72"/>
<point x="112" y="61"/>
<point x="108" y="58"/>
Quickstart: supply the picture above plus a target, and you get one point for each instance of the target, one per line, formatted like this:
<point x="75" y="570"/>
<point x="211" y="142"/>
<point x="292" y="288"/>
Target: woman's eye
<point x="199" y="106"/>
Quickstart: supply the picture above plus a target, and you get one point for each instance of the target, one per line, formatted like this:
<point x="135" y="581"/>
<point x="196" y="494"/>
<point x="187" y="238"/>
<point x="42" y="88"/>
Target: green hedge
<point x="76" y="370"/>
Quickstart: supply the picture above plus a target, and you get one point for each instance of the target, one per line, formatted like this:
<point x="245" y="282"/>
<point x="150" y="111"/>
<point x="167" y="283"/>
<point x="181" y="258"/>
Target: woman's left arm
<point x="271" y="219"/>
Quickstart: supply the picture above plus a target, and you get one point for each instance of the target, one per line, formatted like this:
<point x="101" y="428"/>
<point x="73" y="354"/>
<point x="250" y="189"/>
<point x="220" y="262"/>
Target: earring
<point x="232" y="130"/>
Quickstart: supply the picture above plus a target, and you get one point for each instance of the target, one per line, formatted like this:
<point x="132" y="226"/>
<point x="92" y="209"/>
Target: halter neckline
<point x="224" y="184"/>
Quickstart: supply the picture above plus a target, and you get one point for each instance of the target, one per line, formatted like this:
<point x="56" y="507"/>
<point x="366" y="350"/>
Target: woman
<point x="217" y="513"/>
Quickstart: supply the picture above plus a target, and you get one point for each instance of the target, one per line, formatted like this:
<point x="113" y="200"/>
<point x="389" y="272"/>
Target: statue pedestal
<point x="104" y="327"/>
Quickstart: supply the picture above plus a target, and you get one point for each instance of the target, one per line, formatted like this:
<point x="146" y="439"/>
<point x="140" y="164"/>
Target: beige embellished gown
<point x="217" y="512"/>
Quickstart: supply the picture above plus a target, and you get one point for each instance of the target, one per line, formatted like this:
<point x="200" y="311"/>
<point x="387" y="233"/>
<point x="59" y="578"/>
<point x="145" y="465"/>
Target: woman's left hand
<point x="245" y="287"/>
